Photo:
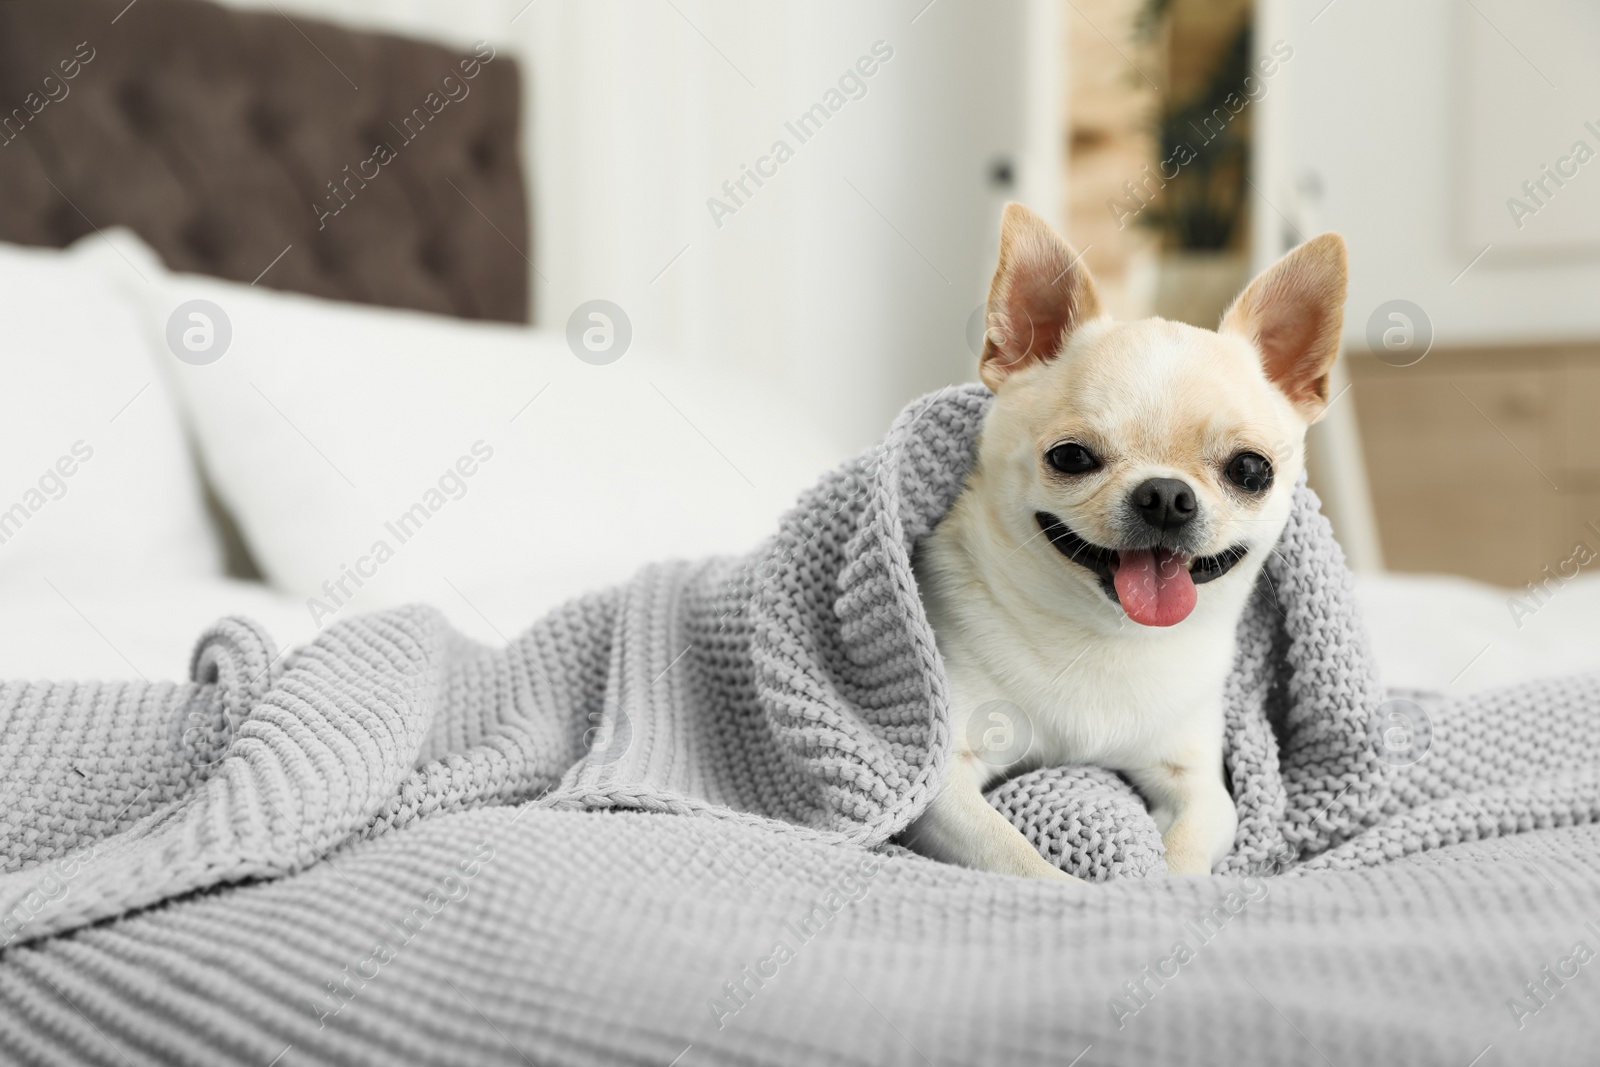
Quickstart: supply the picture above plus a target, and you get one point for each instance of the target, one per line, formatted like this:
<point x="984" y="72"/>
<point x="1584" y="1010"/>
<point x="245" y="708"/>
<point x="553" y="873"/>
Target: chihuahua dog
<point x="1085" y="588"/>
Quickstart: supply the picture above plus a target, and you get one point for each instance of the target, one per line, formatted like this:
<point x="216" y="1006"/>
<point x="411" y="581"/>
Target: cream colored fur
<point x="1016" y="621"/>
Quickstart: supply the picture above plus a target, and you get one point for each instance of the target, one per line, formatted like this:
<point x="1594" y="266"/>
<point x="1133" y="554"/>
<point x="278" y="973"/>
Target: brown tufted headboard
<point x="214" y="133"/>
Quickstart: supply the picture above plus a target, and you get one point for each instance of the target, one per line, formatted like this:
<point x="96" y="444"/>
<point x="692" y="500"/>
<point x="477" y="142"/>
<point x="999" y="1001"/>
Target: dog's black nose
<point x="1165" y="503"/>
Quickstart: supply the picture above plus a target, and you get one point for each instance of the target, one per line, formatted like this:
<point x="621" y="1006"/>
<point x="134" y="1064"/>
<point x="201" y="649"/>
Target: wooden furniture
<point x="1484" y="462"/>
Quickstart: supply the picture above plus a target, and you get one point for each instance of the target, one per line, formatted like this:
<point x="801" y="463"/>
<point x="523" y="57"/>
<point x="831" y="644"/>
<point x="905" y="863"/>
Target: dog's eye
<point x="1071" y="458"/>
<point x="1250" y="471"/>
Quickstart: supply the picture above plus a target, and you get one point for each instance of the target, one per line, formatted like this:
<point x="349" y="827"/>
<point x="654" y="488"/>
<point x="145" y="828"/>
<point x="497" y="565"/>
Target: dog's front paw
<point x="1058" y="875"/>
<point x="1039" y="867"/>
<point x="1201" y="834"/>
<point x="1187" y="863"/>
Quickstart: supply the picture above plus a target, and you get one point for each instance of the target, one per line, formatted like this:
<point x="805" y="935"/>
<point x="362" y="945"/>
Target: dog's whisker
<point x="1024" y="544"/>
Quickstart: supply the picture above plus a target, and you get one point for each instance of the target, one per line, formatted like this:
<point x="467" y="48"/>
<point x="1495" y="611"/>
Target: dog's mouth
<point x="1155" y="586"/>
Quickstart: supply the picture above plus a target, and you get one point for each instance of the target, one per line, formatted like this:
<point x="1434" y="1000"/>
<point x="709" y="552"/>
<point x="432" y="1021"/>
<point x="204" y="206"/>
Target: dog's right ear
<point x="1040" y="294"/>
<point x="1293" y="312"/>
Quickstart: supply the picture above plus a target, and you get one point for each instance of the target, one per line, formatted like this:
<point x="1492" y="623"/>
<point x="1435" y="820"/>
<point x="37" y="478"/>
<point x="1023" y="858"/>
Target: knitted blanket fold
<point x="797" y="690"/>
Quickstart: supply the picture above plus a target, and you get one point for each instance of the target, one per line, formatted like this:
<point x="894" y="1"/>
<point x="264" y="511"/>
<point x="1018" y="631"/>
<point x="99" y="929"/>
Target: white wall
<point x="849" y="277"/>
<point x="1406" y="126"/>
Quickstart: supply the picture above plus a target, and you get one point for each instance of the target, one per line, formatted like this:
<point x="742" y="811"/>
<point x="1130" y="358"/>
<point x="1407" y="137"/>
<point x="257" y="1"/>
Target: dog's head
<point x="1153" y="456"/>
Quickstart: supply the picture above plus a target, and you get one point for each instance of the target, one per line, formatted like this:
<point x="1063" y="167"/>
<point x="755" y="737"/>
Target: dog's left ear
<point x="1293" y="312"/>
<point x="1041" y="292"/>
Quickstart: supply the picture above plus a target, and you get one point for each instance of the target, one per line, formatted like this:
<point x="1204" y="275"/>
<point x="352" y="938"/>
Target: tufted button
<point x="434" y="256"/>
<point x="205" y="237"/>
<point x="482" y="152"/>
<point x="330" y="259"/>
<point x="65" y="225"/>
<point x="372" y="135"/>
<point x="139" y="105"/>
<point x="266" y="123"/>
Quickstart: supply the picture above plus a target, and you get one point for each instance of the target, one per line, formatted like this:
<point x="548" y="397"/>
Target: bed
<point x="380" y="385"/>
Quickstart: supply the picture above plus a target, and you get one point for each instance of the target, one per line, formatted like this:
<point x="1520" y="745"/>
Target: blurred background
<point x="667" y="260"/>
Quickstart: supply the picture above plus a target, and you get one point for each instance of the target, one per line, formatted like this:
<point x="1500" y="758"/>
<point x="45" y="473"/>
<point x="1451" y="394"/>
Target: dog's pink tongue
<point x="1153" y="586"/>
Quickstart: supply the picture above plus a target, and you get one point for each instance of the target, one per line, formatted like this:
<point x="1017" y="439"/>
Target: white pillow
<point x="95" y="476"/>
<point x="374" y="456"/>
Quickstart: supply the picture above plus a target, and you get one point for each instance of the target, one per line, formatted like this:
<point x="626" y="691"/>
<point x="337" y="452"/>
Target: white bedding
<point x="369" y="456"/>
<point x="96" y="629"/>
<point x="1444" y="632"/>
<point x="138" y="629"/>
<point x="1429" y="631"/>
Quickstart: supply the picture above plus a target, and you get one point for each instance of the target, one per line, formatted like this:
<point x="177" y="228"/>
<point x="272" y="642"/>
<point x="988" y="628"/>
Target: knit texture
<point x="794" y="699"/>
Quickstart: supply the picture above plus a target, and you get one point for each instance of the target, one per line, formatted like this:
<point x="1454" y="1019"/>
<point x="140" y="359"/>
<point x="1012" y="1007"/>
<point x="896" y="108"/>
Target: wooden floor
<point x="1485" y="462"/>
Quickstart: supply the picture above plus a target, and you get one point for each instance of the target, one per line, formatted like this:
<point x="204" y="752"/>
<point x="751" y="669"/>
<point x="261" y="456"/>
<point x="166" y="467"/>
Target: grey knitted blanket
<point x="396" y="845"/>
